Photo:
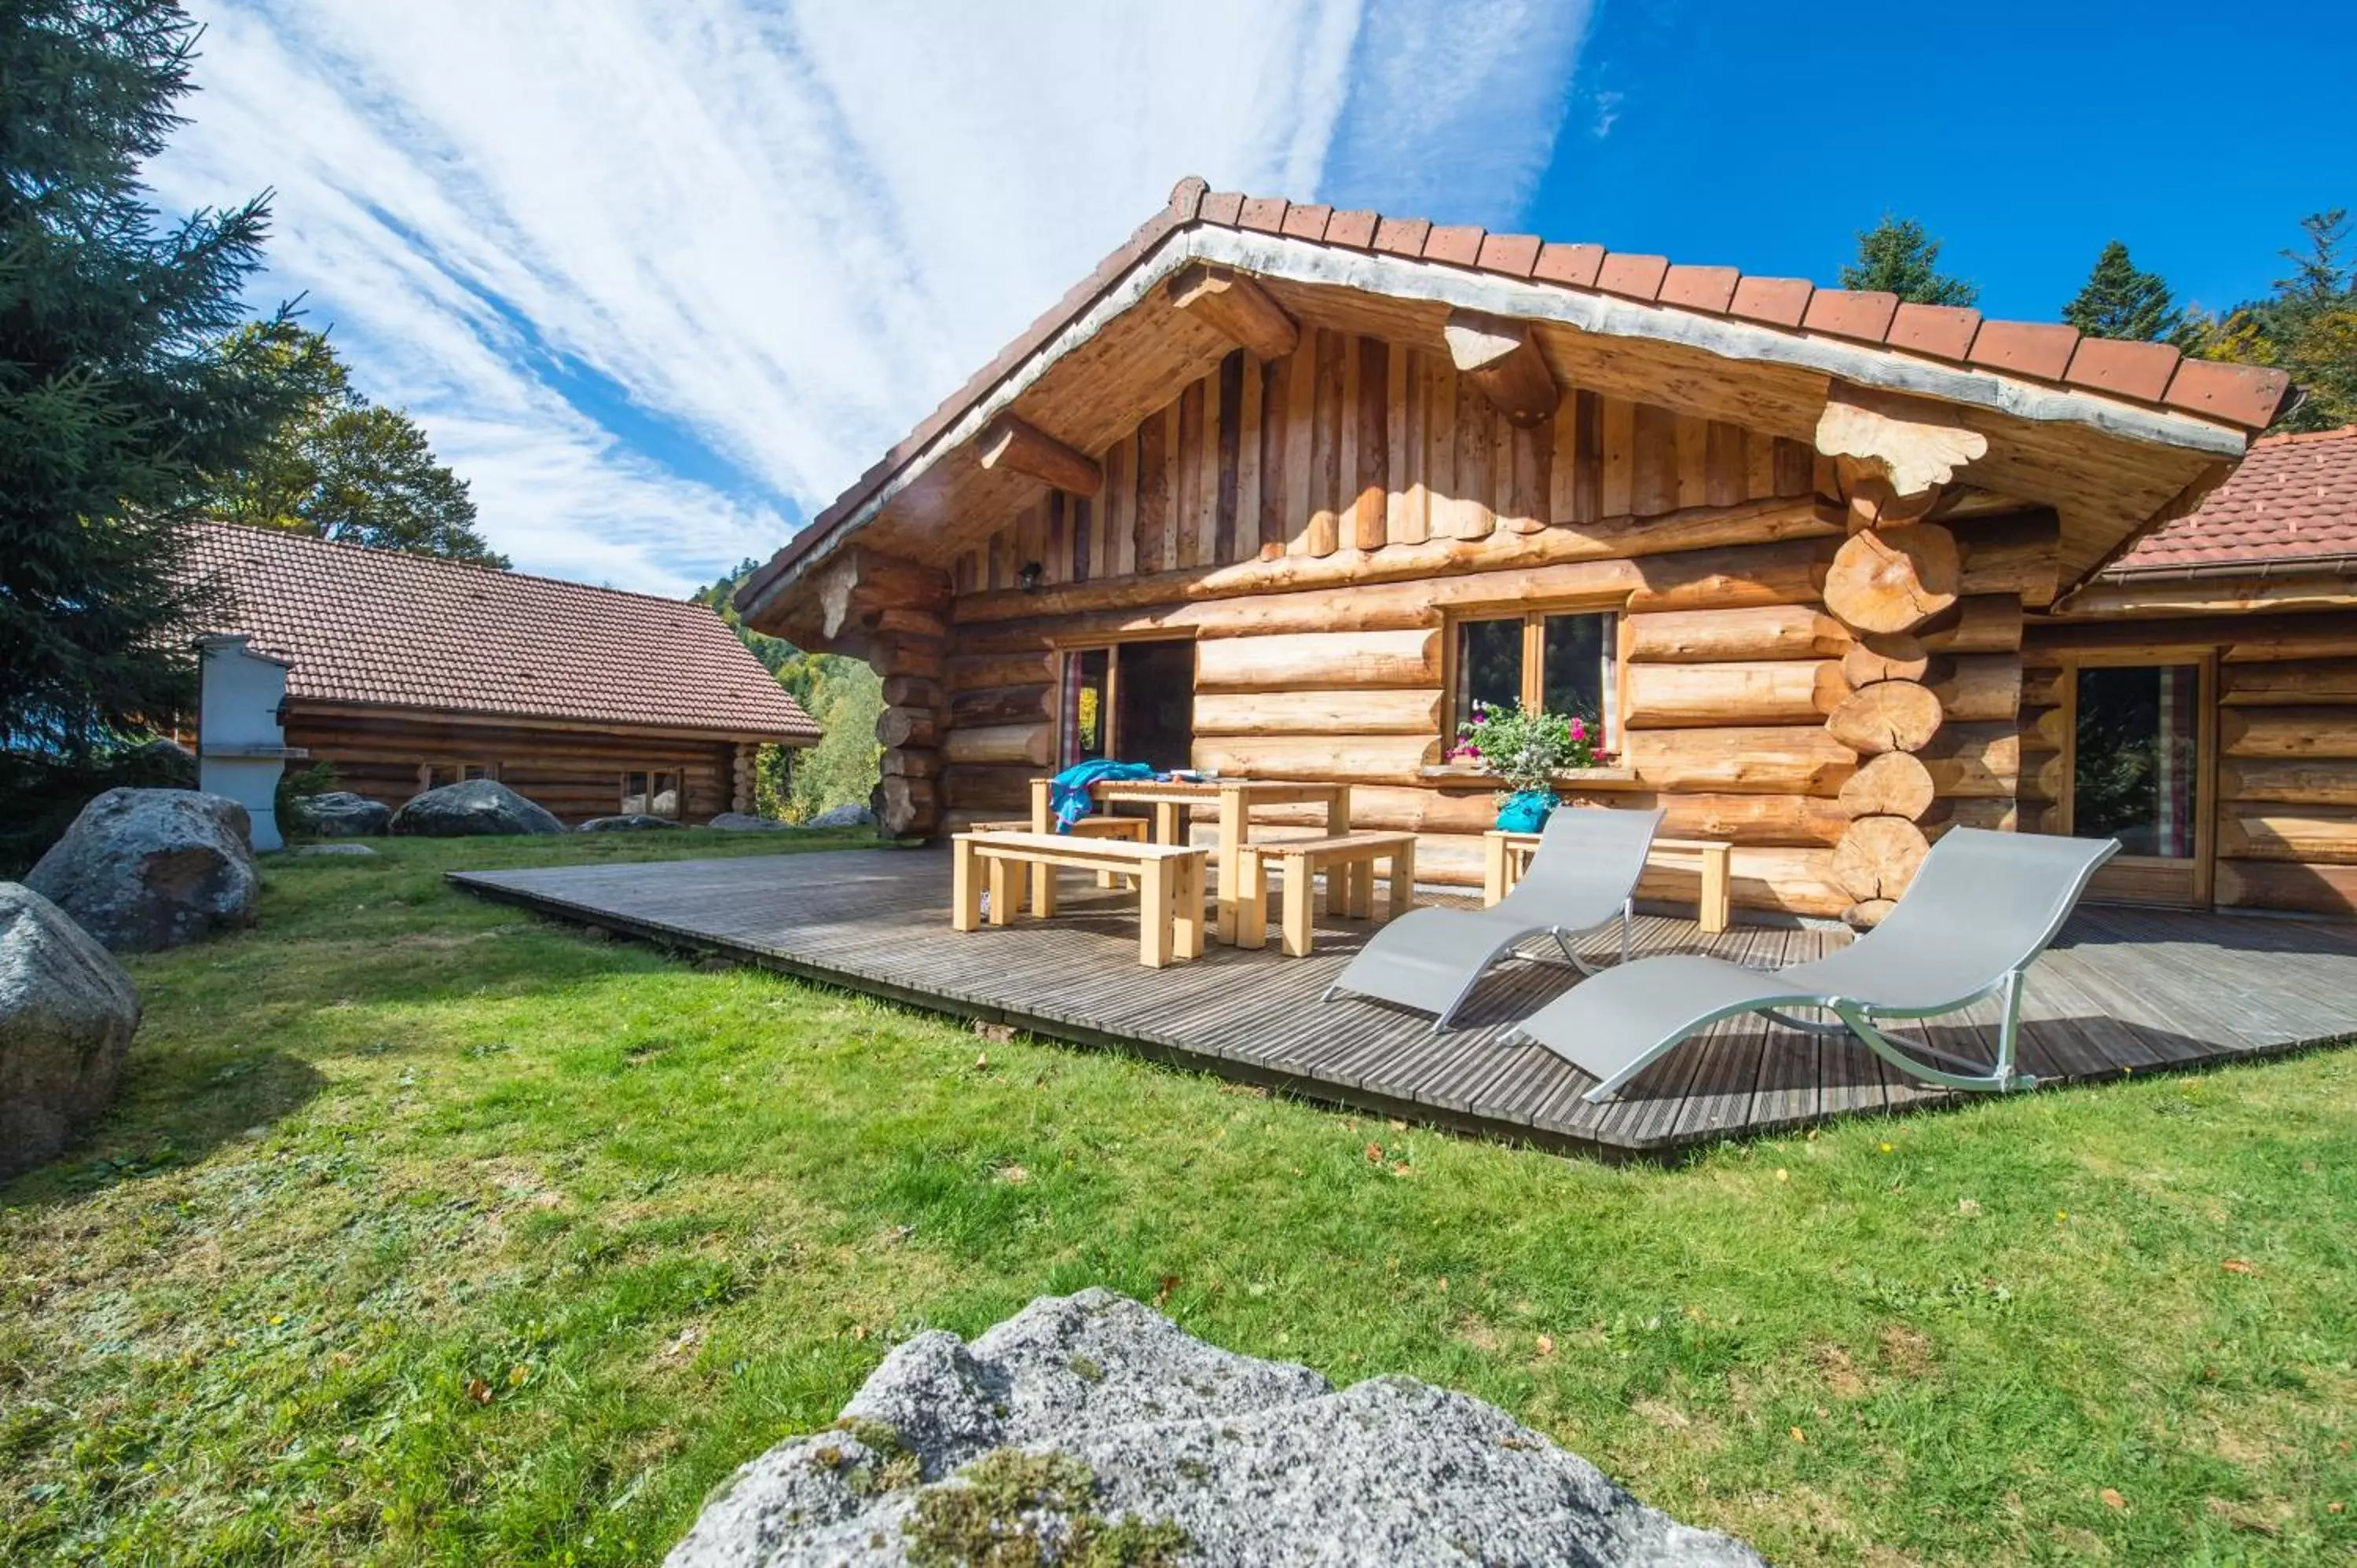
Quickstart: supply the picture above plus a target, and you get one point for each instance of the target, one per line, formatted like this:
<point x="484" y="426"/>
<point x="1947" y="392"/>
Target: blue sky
<point x="2024" y="135"/>
<point x="662" y="279"/>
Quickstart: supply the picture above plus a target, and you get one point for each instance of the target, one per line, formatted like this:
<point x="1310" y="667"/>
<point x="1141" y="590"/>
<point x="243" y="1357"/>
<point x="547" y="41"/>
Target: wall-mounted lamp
<point x="1030" y="577"/>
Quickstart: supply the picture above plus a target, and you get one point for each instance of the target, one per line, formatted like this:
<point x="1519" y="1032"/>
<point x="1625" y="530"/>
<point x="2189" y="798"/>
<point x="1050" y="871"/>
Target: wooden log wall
<point x="1311" y="521"/>
<point x="2285" y="815"/>
<point x="1354" y="444"/>
<point x="576" y="774"/>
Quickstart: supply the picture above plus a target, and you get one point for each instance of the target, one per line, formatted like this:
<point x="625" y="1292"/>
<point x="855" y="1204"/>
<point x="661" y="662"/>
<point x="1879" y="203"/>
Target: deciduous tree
<point x="342" y="467"/>
<point x="2307" y="328"/>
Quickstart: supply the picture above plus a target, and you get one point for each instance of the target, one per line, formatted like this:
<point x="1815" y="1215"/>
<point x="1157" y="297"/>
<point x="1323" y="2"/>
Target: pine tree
<point x="2119" y="300"/>
<point x="1897" y="257"/>
<point x="341" y="468"/>
<point x="115" y="385"/>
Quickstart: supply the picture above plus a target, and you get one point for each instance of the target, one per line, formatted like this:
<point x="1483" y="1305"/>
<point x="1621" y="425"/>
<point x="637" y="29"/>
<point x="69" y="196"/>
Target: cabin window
<point x="650" y="793"/>
<point x="434" y="774"/>
<point x="1558" y="660"/>
<point x="1129" y="701"/>
<point x="2135" y="774"/>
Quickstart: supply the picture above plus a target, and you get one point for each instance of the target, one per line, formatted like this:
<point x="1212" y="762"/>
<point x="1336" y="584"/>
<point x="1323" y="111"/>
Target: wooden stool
<point x="1349" y="861"/>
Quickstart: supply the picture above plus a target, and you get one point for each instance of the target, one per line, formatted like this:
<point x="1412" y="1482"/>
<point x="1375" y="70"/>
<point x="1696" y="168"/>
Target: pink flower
<point x="1580" y="729"/>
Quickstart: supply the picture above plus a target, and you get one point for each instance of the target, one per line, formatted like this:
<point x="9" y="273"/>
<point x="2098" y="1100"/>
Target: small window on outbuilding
<point x="650" y="792"/>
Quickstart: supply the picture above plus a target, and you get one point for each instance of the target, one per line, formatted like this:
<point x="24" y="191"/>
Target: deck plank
<point x="2123" y="989"/>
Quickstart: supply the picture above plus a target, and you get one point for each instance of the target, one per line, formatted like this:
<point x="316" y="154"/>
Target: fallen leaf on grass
<point x="478" y="1391"/>
<point x="1799" y="1435"/>
<point x="999" y="1034"/>
<point x="1546" y="1344"/>
<point x="1375" y="1153"/>
<point x="2111" y="1499"/>
<point x="2239" y="1266"/>
<point x="1014" y="1174"/>
<point x="1967" y="1207"/>
<point x="1170" y="1282"/>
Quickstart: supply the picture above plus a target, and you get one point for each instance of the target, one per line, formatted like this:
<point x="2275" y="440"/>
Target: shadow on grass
<point x="173" y="1110"/>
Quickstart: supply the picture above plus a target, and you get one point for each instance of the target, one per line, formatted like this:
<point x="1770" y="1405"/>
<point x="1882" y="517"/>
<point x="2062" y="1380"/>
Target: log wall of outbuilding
<point x="575" y="773"/>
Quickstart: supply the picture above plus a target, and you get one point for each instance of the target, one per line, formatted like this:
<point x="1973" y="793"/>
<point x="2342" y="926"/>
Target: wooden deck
<point x="2123" y="989"/>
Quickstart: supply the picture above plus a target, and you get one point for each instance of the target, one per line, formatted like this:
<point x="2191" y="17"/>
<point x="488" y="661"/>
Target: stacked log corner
<point x="742" y="790"/>
<point x="1935" y="680"/>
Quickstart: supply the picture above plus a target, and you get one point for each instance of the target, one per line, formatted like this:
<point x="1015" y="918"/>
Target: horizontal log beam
<point x="1339" y="713"/>
<point x="1791" y="759"/>
<point x="1769" y="691"/>
<point x="1318" y="660"/>
<point x="1613" y="541"/>
<point x="2316" y="781"/>
<point x="1715" y="636"/>
<point x="1017" y="447"/>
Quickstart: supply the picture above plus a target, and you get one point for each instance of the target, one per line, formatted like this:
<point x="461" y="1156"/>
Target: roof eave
<point x="1317" y="263"/>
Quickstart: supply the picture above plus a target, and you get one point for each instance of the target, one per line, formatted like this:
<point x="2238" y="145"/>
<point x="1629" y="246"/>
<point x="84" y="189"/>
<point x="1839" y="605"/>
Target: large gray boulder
<point x="843" y="817"/>
<point x="478" y="806"/>
<point x="628" y="822"/>
<point x="145" y="869"/>
<point x="1089" y="1428"/>
<point x="67" y="1014"/>
<point x="340" y="814"/>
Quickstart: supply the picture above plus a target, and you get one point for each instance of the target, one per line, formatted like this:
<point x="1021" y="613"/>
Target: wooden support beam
<point x="858" y="585"/>
<point x="1503" y="362"/>
<point x="1231" y="304"/>
<point x="1909" y="445"/>
<point x="1009" y="443"/>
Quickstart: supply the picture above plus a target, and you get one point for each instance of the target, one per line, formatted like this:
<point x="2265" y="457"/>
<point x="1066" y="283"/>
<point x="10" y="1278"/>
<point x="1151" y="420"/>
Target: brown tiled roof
<point x="2155" y="373"/>
<point x="2293" y="500"/>
<point x="393" y="630"/>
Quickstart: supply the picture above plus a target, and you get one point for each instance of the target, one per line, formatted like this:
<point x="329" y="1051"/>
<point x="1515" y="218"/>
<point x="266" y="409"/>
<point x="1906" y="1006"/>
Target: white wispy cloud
<point x="659" y="279"/>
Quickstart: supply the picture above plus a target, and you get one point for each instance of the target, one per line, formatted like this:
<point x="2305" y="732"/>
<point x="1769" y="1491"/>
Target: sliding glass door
<point x="2139" y="773"/>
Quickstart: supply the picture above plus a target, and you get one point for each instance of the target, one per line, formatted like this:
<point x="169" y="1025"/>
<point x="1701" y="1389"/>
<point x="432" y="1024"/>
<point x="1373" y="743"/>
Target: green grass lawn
<point x="427" y="1230"/>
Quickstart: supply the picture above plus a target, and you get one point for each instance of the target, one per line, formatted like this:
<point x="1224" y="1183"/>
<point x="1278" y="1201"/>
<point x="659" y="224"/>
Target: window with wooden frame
<point x="1127" y="701"/>
<point x="650" y="792"/>
<point x="1560" y="660"/>
<point x="434" y="774"/>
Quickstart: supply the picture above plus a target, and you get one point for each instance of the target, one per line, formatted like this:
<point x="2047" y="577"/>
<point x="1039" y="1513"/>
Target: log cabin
<point x="409" y="673"/>
<point x="2199" y="696"/>
<point x="1281" y="491"/>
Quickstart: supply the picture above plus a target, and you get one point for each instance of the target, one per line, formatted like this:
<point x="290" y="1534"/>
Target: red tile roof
<point x="2293" y="500"/>
<point x="2243" y="395"/>
<point x="387" y="629"/>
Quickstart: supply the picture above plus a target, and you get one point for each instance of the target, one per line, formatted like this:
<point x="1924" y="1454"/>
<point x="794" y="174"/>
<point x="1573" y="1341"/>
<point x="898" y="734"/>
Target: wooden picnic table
<point x="1505" y="855"/>
<point x="1235" y="799"/>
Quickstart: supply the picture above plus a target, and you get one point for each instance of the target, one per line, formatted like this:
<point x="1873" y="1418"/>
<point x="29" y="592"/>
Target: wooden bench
<point x="1169" y="883"/>
<point x="1131" y="828"/>
<point x="1505" y="856"/>
<point x="1349" y="861"/>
